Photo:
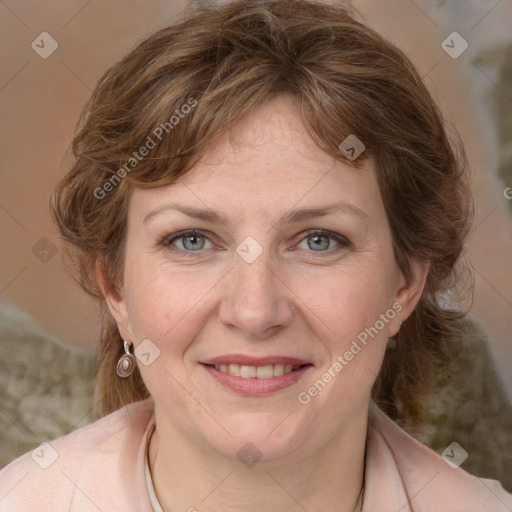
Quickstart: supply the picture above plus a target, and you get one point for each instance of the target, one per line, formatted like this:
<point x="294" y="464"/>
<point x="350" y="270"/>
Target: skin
<point x="296" y="299"/>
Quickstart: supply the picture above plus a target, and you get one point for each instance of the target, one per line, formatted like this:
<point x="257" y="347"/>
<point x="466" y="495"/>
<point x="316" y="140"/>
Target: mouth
<point x="264" y="378"/>
<point x="267" y="371"/>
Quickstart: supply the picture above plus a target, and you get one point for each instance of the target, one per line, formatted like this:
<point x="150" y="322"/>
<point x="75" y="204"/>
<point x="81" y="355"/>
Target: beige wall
<point x="40" y="100"/>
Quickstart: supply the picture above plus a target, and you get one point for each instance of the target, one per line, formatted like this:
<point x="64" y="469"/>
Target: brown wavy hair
<point x="349" y="80"/>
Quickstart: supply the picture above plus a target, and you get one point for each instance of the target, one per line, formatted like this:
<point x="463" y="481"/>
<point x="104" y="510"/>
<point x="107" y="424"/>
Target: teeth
<point x="278" y="370"/>
<point x="258" y="372"/>
<point x="248" y="372"/>
<point x="265" y="372"/>
<point x="234" y="369"/>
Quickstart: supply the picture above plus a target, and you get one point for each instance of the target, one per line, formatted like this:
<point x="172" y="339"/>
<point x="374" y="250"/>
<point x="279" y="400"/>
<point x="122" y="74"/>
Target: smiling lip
<point x="256" y="386"/>
<point x="254" y="361"/>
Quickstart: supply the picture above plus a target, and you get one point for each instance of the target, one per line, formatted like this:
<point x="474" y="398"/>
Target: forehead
<point x="268" y="162"/>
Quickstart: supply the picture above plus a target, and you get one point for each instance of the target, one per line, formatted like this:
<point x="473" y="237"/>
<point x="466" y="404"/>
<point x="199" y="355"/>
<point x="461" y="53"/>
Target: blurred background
<point x="52" y="54"/>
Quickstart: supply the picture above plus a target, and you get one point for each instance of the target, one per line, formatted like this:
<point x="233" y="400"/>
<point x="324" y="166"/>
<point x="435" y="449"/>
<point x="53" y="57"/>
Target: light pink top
<point x="102" y="467"/>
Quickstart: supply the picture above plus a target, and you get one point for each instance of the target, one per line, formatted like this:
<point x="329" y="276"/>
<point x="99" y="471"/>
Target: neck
<point x="191" y="477"/>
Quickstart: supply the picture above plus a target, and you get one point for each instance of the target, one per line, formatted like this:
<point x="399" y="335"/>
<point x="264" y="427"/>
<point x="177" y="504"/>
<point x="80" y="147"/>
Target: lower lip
<point x="254" y="386"/>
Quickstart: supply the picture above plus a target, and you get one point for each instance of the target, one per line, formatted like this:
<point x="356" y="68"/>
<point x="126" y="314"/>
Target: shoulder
<point x="424" y="479"/>
<point x="87" y="466"/>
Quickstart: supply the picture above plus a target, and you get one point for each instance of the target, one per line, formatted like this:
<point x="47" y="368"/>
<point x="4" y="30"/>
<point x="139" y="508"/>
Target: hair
<point x="225" y="61"/>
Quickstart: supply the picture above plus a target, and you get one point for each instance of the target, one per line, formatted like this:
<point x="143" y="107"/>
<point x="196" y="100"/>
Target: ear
<point x="409" y="293"/>
<point x="115" y="302"/>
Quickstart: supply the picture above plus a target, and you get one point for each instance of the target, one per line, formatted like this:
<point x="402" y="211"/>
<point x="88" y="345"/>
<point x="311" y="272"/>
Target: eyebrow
<point x="292" y="217"/>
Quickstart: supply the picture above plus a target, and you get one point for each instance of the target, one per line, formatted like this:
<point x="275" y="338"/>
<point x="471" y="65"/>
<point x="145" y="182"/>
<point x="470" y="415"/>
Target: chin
<point x="262" y="436"/>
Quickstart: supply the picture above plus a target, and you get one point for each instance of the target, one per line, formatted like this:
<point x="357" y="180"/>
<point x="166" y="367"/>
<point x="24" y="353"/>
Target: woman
<point x="267" y="204"/>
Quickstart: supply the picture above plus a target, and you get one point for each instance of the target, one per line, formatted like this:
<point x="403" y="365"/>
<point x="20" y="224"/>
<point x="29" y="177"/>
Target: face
<point x="268" y="256"/>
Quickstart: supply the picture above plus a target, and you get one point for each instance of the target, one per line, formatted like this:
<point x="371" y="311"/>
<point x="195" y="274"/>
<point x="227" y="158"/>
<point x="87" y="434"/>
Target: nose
<point x="256" y="301"/>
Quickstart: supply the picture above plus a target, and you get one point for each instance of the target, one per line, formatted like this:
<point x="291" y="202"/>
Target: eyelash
<point x="169" y="239"/>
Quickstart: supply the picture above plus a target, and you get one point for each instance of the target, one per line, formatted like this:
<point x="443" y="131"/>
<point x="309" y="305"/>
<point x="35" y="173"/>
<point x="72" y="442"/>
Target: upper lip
<point x="245" y="360"/>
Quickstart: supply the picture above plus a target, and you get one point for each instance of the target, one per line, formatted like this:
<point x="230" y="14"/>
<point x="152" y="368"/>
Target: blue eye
<point x="319" y="240"/>
<point x="191" y="241"/>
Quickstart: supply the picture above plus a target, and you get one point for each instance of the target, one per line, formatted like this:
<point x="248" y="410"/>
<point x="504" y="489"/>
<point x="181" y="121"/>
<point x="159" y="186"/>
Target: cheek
<point x="163" y="304"/>
<point x="348" y="299"/>
<point x="353" y="335"/>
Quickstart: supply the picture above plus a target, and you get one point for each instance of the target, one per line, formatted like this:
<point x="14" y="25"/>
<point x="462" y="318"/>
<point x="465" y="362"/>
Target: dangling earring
<point x="392" y="341"/>
<point x="126" y="363"/>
